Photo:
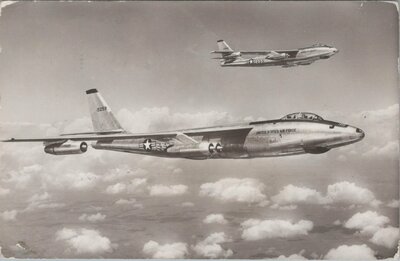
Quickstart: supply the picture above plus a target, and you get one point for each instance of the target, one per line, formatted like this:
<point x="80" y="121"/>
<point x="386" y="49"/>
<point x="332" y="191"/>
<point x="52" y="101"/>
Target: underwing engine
<point x="66" y="148"/>
<point x="198" y="150"/>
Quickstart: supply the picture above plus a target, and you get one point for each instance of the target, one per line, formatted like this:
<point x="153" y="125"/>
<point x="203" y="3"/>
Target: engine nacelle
<point x="276" y="56"/>
<point x="203" y="149"/>
<point x="66" y="148"/>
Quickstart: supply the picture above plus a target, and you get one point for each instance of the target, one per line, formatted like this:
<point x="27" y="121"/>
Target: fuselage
<point x="304" y="56"/>
<point x="272" y="138"/>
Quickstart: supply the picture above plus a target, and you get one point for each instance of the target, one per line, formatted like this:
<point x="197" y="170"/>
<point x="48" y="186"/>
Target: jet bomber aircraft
<point x="296" y="133"/>
<point x="284" y="58"/>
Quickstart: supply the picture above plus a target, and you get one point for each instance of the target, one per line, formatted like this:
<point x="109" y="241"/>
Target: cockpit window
<point x="303" y="116"/>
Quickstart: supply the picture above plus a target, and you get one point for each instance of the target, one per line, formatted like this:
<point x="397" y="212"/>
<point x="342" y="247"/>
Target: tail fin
<point x="103" y="119"/>
<point x="223" y="46"/>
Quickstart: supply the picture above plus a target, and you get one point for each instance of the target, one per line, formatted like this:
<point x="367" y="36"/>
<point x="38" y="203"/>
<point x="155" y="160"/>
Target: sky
<point x="151" y="62"/>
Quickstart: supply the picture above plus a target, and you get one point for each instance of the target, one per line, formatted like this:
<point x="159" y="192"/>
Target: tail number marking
<point x="102" y="108"/>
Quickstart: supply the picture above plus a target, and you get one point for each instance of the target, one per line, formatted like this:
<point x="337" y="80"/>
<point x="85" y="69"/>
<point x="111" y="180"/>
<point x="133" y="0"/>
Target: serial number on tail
<point x="102" y="108"/>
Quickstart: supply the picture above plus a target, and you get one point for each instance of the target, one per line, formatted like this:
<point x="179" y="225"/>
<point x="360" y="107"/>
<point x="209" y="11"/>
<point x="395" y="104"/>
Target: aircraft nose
<point x="360" y="133"/>
<point x="334" y="50"/>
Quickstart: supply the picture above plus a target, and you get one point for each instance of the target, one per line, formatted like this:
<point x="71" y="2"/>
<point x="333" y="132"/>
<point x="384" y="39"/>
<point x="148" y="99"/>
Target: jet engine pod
<point x="66" y="148"/>
<point x="199" y="150"/>
<point x="277" y="56"/>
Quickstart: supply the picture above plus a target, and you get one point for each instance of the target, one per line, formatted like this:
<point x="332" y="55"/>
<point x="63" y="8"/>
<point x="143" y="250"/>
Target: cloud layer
<point x="246" y="190"/>
<point x="211" y="247"/>
<point x="153" y="249"/>
<point x="255" y="229"/>
<point x="353" y="252"/>
<point x="85" y="241"/>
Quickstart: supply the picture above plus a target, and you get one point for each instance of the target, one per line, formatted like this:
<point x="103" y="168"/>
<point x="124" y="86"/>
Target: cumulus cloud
<point x="122" y="172"/>
<point x="164" y="190"/>
<point x="291" y="194"/>
<point x="215" y="218"/>
<point x="116" y="188"/>
<point x="390" y="148"/>
<point x="246" y="190"/>
<point x="393" y="204"/>
<point x="41" y="201"/>
<point x="367" y="222"/>
<point x="387" y="237"/>
<point x="211" y="247"/>
<point x="255" y="229"/>
<point x="137" y="185"/>
<point x="349" y="193"/>
<point x="187" y="204"/>
<point x="132" y="202"/>
<point x="339" y="193"/>
<point x="4" y="191"/>
<point x="24" y="176"/>
<point x="353" y="252"/>
<point x="85" y="241"/>
<point x="153" y="249"/>
<point x="9" y="215"/>
<point x="298" y="256"/>
<point x="92" y="218"/>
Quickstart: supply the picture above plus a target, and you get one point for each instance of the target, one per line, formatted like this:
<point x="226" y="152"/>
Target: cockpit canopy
<point x="303" y="116"/>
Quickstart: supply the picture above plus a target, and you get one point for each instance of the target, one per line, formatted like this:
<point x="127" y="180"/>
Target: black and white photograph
<point x="199" y="130"/>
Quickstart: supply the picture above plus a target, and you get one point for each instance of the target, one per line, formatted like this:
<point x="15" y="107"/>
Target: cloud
<point x="133" y="202"/>
<point x="187" y="204"/>
<point x="9" y="215"/>
<point x="41" y="201"/>
<point x="367" y="222"/>
<point x="294" y="256"/>
<point x="24" y="176"/>
<point x="215" y="218"/>
<point x="174" y="250"/>
<point x="387" y="237"/>
<point x="337" y="222"/>
<point x="136" y="185"/>
<point x="78" y="180"/>
<point x="92" y="218"/>
<point x="338" y="193"/>
<point x="85" y="241"/>
<point x="116" y="188"/>
<point x="166" y="191"/>
<point x="353" y="252"/>
<point x="393" y="204"/>
<point x="349" y="193"/>
<point x="390" y="148"/>
<point x="255" y="229"/>
<point x="122" y="172"/>
<point x="246" y="190"/>
<point x="291" y="194"/>
<point x="211" y="247"/>
<point x="4" y="191"/>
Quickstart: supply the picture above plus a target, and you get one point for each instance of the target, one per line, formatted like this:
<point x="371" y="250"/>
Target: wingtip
<point x="8" y="140"/>
<point x="91" y="91"/>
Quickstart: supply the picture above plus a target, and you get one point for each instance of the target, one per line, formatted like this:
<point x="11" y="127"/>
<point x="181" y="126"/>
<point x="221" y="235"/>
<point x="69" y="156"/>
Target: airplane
<point x="284" y="58"/>
<point x="296" y="133"/>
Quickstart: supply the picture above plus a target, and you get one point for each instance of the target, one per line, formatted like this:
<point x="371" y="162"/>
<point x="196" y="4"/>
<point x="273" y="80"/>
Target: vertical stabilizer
<point x="103" y="119"/>
<point x="223" y="46"/>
